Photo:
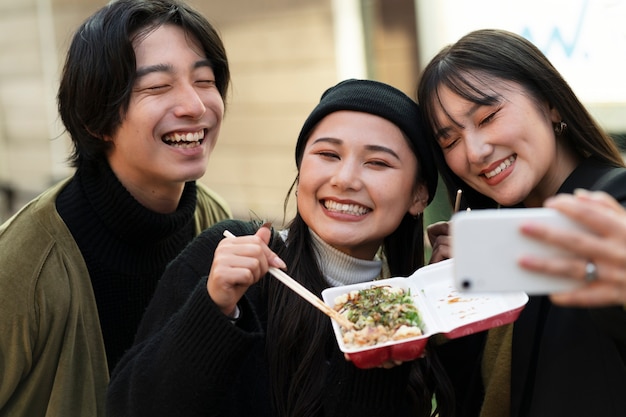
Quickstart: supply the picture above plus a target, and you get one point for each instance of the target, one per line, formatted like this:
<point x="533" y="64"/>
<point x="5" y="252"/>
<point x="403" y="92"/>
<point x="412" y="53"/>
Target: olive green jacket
<point x="52" y="355"/>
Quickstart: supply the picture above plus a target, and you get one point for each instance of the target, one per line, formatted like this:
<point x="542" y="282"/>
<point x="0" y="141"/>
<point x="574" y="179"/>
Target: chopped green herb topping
<point x="384" y="308"/>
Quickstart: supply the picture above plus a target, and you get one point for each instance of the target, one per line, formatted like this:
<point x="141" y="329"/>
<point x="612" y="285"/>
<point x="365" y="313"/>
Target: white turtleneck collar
<point x="341" y="269"/>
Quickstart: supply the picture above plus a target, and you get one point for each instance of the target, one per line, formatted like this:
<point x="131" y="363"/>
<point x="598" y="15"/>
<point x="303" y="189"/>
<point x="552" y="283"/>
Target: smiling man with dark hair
<point x="142" y="97"/>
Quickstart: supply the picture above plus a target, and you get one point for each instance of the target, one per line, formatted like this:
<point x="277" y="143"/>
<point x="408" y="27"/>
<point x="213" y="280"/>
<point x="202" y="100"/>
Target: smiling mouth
<point x="502" y="167"/>
<point x="352" y="209"/>
<point x="184" y="140"/>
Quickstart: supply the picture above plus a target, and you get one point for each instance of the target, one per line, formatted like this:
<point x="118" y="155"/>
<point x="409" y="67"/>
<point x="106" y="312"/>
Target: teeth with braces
<point x="504" y="165"/>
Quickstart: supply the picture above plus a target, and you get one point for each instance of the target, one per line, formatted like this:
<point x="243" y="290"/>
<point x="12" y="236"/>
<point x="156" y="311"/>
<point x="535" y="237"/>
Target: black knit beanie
<point x="382" y="100"/>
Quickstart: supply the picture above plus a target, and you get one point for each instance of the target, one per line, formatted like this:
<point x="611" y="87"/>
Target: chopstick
<point x="457" y="202"/>
<point x="306" y="294"/>
<point x="310" y="297"/>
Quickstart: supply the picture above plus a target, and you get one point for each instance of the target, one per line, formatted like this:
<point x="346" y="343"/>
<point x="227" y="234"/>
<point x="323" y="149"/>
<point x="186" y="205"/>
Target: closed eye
<point x="448" y="142"/>
<point x="379" y="163"/>
<point x="152" y="89"/>
<point x="157" y="87"/>
<point x="489" y="117"/>
<point x="206" y="83"/>
<point x="328" y="154"/>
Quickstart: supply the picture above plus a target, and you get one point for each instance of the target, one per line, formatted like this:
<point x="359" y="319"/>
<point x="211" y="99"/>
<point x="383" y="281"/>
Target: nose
<point x="189" y="103"/>
<point x="477" y="147"/>
<point x="347" y="175"/>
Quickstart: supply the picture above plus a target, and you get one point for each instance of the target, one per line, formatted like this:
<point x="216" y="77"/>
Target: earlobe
<point x="420" y="201"/>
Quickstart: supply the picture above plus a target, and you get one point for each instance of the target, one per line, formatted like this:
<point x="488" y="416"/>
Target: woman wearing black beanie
<point x="240" y="343"/>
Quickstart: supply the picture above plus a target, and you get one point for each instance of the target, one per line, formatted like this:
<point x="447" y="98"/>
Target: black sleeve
<point x="186" y="353"/>
<point x="183" y="273"/>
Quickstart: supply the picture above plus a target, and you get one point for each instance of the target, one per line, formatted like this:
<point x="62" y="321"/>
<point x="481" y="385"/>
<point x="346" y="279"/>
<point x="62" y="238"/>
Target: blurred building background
<point x="283" y="55"/>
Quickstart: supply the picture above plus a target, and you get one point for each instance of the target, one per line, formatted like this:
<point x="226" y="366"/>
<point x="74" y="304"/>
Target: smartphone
<point x="487" y="244"/>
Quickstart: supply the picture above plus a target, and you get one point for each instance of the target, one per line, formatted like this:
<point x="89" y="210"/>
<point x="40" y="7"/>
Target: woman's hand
<point x="603" y="244"/>
<point x="440" y="241"/>
<point x="238" y="263"/>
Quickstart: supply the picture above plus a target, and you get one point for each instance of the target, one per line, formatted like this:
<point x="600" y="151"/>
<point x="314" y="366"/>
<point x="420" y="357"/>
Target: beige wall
<point x="282" y="55"/>
<point x="282" y="58"/>
<point x="33" y="38"/>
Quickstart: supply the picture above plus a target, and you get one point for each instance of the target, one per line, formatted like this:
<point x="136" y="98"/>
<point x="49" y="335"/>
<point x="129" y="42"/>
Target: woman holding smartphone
<point x="506" y="128"/>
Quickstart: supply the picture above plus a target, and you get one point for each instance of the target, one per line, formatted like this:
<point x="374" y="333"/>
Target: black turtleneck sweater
<point x="125" y="246"/>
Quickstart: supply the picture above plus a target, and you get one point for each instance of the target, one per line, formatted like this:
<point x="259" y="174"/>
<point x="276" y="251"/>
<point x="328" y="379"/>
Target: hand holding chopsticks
<point x="306" y="294"/>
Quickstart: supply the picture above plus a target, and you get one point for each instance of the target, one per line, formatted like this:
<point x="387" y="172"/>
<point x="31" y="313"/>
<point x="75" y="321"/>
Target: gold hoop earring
<point x="560" y="127"/>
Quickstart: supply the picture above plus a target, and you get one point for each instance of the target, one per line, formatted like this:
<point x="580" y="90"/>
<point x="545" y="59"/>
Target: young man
<point x="142" y="96"/>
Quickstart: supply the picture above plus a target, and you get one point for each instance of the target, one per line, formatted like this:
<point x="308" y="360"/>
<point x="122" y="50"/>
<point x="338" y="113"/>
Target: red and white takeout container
<point x="443" y="310"/>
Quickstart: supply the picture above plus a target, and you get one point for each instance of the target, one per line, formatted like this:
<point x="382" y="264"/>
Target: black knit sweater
<point x="125" y="246"/>
<point x="190" y="360"/>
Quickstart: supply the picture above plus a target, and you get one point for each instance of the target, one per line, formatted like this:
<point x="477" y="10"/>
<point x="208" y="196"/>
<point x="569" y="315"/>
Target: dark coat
<point x="564" y="361"/>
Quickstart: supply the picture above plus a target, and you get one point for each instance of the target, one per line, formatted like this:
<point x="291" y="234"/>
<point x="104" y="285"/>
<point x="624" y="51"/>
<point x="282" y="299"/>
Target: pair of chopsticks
<point x="306" y="294"/>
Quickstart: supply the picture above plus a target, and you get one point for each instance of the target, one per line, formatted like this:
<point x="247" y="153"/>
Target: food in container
<point x="380" y="313"/>
<point x="441" y="307"/>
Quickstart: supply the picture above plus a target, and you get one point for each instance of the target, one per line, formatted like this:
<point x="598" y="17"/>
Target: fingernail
<point x="279" y="263"/>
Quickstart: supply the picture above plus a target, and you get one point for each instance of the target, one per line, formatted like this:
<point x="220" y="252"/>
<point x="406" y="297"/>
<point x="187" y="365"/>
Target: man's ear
<point x="420" y="200"/>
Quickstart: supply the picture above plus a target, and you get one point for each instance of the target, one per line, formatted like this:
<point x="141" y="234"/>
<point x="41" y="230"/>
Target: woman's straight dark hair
<point x="463" y="68"/>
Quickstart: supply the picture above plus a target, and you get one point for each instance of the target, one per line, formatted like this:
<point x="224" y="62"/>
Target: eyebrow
<point x="143" y="71"/>
<point x="377" y="148"/>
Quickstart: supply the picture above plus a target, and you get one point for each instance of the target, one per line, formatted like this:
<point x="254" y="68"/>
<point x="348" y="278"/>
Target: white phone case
<point x="487" y="244"/>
